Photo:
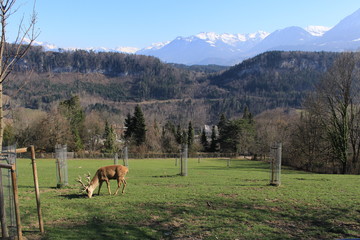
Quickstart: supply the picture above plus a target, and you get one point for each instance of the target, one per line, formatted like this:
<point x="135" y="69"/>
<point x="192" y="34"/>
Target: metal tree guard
<point x="184" y="160"/>
<point x="61" y="165"/>
<point x="7" y="207"/>
<point x="275" y="177"/>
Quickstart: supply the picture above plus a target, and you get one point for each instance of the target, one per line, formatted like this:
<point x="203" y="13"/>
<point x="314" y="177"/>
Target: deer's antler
<point x="79" y="180"/>
<point x="88" y="177"/>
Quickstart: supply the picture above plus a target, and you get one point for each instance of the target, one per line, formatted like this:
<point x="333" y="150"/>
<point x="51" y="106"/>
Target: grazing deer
<point x="104" y="174"/>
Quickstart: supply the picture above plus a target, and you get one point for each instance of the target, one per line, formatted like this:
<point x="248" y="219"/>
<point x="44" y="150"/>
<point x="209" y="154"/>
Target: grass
<point x="213" y="202"/>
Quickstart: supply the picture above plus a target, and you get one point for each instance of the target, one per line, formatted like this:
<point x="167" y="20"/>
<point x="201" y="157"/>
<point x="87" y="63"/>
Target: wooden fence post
<point x="37" y="192"/>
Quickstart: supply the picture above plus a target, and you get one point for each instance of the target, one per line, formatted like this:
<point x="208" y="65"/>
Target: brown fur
<point x="105" y="174"/>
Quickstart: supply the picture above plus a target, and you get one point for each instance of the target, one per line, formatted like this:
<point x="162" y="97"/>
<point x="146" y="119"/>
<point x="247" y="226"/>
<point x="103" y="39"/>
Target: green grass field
<point x="213" y="202"/>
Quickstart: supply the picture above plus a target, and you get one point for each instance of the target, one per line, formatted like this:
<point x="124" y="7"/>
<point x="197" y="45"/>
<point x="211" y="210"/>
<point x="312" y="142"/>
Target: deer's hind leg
<point x="120" y="180"/>
<point x="119" y="184"/>
<point x="124" y="185"/>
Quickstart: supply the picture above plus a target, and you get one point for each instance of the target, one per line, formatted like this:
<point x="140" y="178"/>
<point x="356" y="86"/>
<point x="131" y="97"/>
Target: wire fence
<point x="135" y="155"/>
<point x="7" y="207"/>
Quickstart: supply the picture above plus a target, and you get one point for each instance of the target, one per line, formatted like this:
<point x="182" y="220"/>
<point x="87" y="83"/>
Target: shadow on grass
<point x="167" y="176"/>
<point x="210" y="217"/>
<point x="73" y="196"/>
<point x="97" y="225"/>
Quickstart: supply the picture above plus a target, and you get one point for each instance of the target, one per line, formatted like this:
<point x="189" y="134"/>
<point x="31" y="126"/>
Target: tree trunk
<point x="1" y="117"/>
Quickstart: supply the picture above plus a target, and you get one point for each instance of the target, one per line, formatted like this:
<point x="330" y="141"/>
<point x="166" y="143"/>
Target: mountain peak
<point x="230" y="38"/>
<point x="317" y="31"/>
<point x="347" y="29"/>
<point x="127" y="49"/>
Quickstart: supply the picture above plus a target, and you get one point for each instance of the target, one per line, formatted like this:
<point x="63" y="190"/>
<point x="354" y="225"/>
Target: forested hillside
<point x="273" y="79"/>
<point x="112" y="82"/>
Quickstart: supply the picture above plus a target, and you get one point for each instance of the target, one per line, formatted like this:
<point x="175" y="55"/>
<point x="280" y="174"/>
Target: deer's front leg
<point x="100" y="184"/>
<point x="108" y="186"/>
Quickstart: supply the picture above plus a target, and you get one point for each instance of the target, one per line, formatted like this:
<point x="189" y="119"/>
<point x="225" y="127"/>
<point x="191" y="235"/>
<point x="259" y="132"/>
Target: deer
<point x="104" y="174"/>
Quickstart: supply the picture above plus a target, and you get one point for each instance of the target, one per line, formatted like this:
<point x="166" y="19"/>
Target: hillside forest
<point x="98" y="102"/>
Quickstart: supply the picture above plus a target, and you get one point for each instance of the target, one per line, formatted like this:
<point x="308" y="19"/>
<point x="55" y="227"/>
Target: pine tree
<point x="135" y="127"/>
<point x="110" y="138"/>
<point x="139" y="126"/>
<point x="129" y="127"/>
<point x="74" y="112"/>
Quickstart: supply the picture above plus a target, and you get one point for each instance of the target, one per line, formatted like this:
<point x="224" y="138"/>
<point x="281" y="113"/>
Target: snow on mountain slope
<point x="205" y="48"/>
<point x="127" y="49"/>
<point x="46" y="46"/>
<point x="317" y="31"/>
<point x="280" y="39"/>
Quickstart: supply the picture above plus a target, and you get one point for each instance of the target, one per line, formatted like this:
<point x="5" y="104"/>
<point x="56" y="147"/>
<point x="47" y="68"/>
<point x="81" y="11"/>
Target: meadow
<point x="213" y="202"/>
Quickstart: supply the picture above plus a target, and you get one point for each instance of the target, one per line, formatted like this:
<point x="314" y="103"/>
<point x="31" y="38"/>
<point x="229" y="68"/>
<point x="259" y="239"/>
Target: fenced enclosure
<point x="210" y="190"/>
<point x="61" y="165"/>
<point x="7" y="207"/>
<point x="275" y="165"/>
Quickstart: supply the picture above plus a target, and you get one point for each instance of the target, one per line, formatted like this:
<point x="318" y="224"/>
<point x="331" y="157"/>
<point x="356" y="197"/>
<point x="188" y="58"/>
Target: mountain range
<point x="230" y="49"/>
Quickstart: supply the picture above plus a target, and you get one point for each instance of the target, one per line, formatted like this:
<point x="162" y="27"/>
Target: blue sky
<point x="139" y="23"/>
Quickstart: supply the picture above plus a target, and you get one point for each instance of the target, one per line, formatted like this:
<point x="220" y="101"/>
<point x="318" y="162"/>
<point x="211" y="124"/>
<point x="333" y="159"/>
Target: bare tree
<point x="309" y="146"/>
<point x="336" y="102"/>
<point x="12" y="53"/>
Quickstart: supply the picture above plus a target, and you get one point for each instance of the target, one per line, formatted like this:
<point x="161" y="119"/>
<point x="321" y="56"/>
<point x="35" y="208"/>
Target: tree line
<point x="269" y="80"/>
<point x="67" y="123"/>
<point x="149" y="77"/>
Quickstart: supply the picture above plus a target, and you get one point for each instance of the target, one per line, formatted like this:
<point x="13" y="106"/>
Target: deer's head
<point x="85" y="187"/>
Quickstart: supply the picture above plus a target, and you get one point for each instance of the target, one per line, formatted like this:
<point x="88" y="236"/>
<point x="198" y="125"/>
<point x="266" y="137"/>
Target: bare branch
<point x="29" y="33"/>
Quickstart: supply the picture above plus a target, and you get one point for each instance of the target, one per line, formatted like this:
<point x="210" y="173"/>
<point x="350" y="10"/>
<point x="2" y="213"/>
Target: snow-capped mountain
<point x="127" y="49"/>
<point x="317" y="31"/>
<point x="118" y="49"/>
<point x="229" y="49"/>
<point x="344" y="36"/>
<point x="347" y="29"/>
<point x="280" y="39"/>
<point x="155" y="46"/>
<point x="205" y="48"/>
<point x="46" y="46"/>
